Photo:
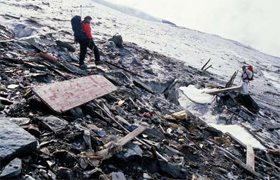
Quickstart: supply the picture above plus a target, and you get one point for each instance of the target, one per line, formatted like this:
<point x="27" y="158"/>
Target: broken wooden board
<point x="65" y="95"/>
<point x="112" y="148"/>
<point x="131" y="135"/>
<point x="236" y="88"/>
<point x="250" y="158"/>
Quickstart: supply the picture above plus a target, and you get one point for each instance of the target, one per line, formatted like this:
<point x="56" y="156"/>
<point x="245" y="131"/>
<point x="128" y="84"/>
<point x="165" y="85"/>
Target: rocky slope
<point x="191" y="148"/>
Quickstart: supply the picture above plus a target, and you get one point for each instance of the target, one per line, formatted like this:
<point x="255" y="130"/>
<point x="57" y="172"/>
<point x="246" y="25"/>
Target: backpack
<point x="250" y="68"/>
<point x="76" y="23"/>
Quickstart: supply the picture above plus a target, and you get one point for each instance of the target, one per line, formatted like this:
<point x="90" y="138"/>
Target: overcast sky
<point x="252" y="22"/>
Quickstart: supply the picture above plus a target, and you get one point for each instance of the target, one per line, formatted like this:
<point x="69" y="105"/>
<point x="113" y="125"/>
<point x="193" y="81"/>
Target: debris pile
<point x="117" y="120"/>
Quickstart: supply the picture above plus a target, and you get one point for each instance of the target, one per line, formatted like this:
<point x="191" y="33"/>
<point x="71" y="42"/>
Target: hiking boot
<point x="83" y="67"/>
<point x="98" y="62"/>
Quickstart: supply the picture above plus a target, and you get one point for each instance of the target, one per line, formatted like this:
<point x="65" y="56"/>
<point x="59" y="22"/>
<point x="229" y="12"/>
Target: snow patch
<point x="197" y="95"/>
<point x="240" y="133"/>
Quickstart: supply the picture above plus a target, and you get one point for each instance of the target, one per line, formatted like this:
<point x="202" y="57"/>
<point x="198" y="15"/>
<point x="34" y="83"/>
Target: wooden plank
<point x="131" y="135"/>
<point x="111" y="147"/>
<point x="250" y="158"/>
<point x="65" y="95"/>
<point x="224" y="90"/>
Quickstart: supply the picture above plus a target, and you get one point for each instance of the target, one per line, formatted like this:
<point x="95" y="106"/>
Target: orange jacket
<point x="87" y="29"/>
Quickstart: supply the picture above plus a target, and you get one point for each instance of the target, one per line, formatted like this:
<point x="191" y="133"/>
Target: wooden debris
<point x="111" y="148"/>
<point x="250" y="158"/>
<point x="63" y="96"/>
<point x="131" y="135"/>
<point x="240" y="163"/>
<point x="45" y="55"/>
<point x="268" y="157"/>
<point x="181" y="115"/>
<point x="244" y="146"/>
<point x="274" y="152"/>
<point x="205" y="64"/>
<point x="142" y="142"/>
<point x="222" y="140"/>
<point x="230" y="82"/>
<point x="207" y="68"/>
<point x="236" y="88"/>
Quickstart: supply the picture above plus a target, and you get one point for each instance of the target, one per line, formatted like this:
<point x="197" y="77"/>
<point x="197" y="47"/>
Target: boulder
<point x="13" y="169"/>
<point x="14" y="141"/>
<point x="117" y="39"/>
<point x="53" y="123"/>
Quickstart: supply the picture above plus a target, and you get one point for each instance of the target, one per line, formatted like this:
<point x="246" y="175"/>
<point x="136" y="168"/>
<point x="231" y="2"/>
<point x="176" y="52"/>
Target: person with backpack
<point x="247" y="76"/>
<point x="243" y="97"/>
<point x="82" y="33"/>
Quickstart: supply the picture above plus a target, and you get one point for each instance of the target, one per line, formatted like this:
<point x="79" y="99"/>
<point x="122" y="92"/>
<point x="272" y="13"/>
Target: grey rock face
<point x="14" y="141"/>
<point x="13" y="169"/>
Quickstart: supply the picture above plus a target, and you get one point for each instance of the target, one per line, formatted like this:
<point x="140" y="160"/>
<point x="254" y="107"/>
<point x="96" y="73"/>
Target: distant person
<point x="82" y="32"/>
<point x="247" y="76"/>
<point x="243" y="97"/>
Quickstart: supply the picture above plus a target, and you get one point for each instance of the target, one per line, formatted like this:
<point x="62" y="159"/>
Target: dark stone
<point x="136" y="62"/>
<point x="248" y="102"/>
<point x="155" y="134"/>
<point x="11" y="170"/>
<point x="173" y="170"/>
<point x="130" y="151"/>
<point x="118" y="176"/>
<point x="65" y="173"/>
<point x="77" y="112"/>
<point x="14" y="141"/>
<point x="53" y="123"/>
<point x="66" y="45"/>
<point x="117" y="39"/>
<point x="214" y="132"/>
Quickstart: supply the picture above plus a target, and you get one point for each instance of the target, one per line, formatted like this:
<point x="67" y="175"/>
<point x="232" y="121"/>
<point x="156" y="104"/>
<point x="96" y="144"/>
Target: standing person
<point x="243" y="97"/>
<point x="87" y="42"/>
<point x="247" y="76"/>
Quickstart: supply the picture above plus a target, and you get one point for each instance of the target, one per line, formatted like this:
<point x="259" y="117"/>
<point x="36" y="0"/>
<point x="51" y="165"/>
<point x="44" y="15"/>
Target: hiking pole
<point x="81" y="6"/>
<point x="90" y="57"/>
